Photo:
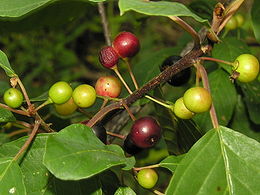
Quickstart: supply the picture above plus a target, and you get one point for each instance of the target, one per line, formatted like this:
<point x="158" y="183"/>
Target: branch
<point x="101" y="10"/>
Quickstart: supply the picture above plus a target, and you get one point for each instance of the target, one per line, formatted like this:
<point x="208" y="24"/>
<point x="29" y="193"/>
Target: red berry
<point x="108" y="57"/>
<point x="108" y="86"/>
<point x="145" y="132"/>
<point x="126" y="44"/>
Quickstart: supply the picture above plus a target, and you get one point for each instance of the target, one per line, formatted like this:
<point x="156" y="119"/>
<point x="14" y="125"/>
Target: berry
<point x="240" y="20"/>
<point x="13" y="98"/>
<point x="145" y="132"/>
<point x="181" y="111"/>
<point x="67" y="108"/>
<point x="108" y="86"/>
<point x="247" y="66"/>
<point x="147" y="178"/>
<point x="180" y="78"/>
<point x="126" y="44"/>
<point x="108" y="57"/>
<point x="60" y="92"/>
<point x="197" y="99"/>
<point x="130" y="147"/>
<point x="231" y="24"/>
<point x="99" y="131"/>
<point x="84" y="96"/>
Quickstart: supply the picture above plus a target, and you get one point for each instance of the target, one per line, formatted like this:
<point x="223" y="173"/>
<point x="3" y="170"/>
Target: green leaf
<point x="125" y="191"/>
<point x="241" y="122"/>
<point x="171" y="162"/>
<point x="224" y="105"/>
<point x="255" y="19"/>
<point x="76" y="153"/>
<point x="221" y="162"/>
<point x="4" y="138"/>
<point x="4" y="63"/>
<point x="251" y="93"/>
<point x="17" y="8"/>
<point x="11" y="179"/>
<point x="3" y="87"/>
<point x="6" y="116"/>
<point x="160" y="8"/>
<point x="229" y="49"/>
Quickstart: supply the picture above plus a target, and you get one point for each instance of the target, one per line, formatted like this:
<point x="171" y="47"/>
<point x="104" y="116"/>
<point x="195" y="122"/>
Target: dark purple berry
<point x="181" y="77"/>
<point x="130" y="147"/>
<point x="108" y="57"/>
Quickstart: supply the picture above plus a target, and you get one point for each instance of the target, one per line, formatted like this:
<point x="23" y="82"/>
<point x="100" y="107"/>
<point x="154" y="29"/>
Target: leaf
<point x="125" y="191"/>
<point x="17" y="8"/>
<point x="219" y="84"/>
<point x="255" y="19"/>
<point x="161" y="8"/>
<point x="178" y="134"/>
<point x="241" y="122"/>
<point x="11" y="179"/>
<point x="76" y="153"/>
<point x="3" y="87"/>
<point x="109" y="182"/>
<point x="251" y="93"/>
<point x="221" y="162"/>
<point x="4" y="63"/>
<point x="6" y="116"/>
<point x="4" y="138"/>
<point x="229" y="49"/>
<point x="171" y="162"/>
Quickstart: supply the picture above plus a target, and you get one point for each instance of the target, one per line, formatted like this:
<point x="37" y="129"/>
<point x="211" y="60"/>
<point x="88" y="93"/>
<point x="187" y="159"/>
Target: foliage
<point x="43" y="152"/>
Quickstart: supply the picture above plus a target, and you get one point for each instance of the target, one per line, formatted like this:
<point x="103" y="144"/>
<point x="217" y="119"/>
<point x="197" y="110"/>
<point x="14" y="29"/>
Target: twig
<point x="14" y="110"/>
<point x="146" y="167"/>
<point x="122" y="80"/>
<point x="24" y="93"/>
<point x="131" y="72"/>
<point x="115" y="135"/>
<point x="129" y="111"/>
<point x="18" y="132"/>
<point x="101" y="10"/>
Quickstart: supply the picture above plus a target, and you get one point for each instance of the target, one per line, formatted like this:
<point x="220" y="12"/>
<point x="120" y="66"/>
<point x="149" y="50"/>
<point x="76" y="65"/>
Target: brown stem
<point x="188" y="29"/>
<point x="18" y="132"/>
<point x="131" y="72"/>
<point x="101" y="10"/>
<point x="122" y="80"/>
<point x="157" y="192"/>
<point x="24" y="92"/>
<point x="44" y="125"/>
<point x="29" y="140"/>
<point x="14" y="110"/>
<point x="205" y="82"/>
<point x="105" y="101"/>
<point x="217" y="60"/>
<point x="146" y="167"/>
<point x="129" y="111"/>
<point x="115" y="135"/>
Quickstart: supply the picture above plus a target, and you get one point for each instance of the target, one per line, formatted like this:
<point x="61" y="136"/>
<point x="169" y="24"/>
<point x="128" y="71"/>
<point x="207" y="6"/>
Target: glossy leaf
<point x="171" y="162"/>
<point x="76" y="153"/>
<point x="229" y="49"/>
<point x="4" y="63"/>
<point x="224" y="105"/>
<point x="11" y="179"/>
<point x="6" y="116"/>
<point x="17" y="8"/>
<point x="160" y="8"/>
<point x="125" y="191"/>
<point x="255" y="19"/>
<point x="221" y="162"/>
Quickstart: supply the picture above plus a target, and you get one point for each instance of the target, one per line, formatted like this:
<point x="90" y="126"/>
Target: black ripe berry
<point x="130" y="147"/>
<point x="180" y="78"/>
<point x="145" y="132"/>
<point x="99" y="131"/>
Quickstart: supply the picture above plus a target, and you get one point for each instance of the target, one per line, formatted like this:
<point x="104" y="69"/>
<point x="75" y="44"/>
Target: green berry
<point x="197" y="99"/>
<point x="231" y="24"/>
<point x="84" y="96"/>
<point x="60" y="92"/>
<point x="240" y="20"/>
<point x="181" y="111"/>
<point x="147" y="178"/>
<point x="247" y="66"/>
<point x="13" y="98"/>
<point x="67" y="108"/>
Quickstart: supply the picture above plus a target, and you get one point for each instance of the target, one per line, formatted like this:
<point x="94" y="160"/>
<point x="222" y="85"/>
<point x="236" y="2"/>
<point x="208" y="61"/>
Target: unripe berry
<point x="13" y="98"/>
<point x="231" y="24"/>
<point x="108" y="57"/>
<point x="84" y="96"/>
<point x="126" y="44"/>
<point x="145" y="132"/>
<point x="108" y="86"/>
<point x="181" y="111"/>
<point x="147" y="178"/>
<point x="60" y="92"/>
<point x="67" y="108"/>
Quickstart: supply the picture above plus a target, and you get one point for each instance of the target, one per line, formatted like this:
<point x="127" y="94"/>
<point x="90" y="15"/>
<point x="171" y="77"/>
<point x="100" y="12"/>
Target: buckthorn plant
<point x="152" y="98"/>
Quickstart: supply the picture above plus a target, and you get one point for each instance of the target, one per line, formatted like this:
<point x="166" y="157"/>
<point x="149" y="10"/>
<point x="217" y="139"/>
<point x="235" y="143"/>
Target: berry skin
<point x="108" y="86"/>
<point x="240" y="20"/>
<point x="147" y="178"/>
<point x="181" y="111"/>
<point x="130" y="147"/>
<point x="231" y="24"/>
<point x="60" y="92"/>
<point x="197" y="99"/>
<point x="84" y="96"/>
<point x="126" y="44"/>
<point x="108" y="57"/>
<point x="247" y="66"/>
<point x="145" y="132"/>
<point x="67" y="108"/>
<point x="99" y="131"/>
<point x="13" y="98"/>
<point x="180" y="78"/>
